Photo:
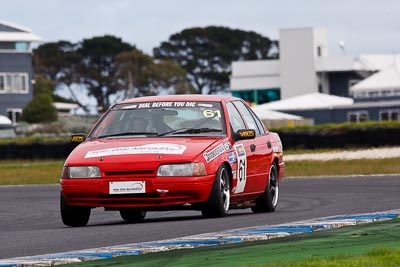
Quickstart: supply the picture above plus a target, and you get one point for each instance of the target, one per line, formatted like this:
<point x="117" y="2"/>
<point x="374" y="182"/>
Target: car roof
<point x="193" y="97"/>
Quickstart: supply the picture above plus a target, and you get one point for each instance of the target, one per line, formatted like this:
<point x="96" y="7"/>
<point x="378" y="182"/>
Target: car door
<point x="246" y="173"/>
<point x="260" y="149"/>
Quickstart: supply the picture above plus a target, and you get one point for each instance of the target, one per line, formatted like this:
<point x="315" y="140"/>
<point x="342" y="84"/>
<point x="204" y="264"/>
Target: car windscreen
<point x="164" y="118"/>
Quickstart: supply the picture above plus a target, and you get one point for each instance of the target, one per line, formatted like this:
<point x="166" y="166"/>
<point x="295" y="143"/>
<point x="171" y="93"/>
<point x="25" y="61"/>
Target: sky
<point x="365" y="26"/>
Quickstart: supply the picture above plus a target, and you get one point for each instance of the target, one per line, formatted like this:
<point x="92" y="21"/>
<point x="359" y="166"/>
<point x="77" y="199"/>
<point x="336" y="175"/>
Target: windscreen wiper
<point x="127" y="134"/>
<point x="191" y="131"/>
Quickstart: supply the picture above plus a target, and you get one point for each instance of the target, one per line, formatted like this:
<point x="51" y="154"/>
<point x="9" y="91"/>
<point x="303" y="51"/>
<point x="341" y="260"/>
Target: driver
<point x="139" y="124"/>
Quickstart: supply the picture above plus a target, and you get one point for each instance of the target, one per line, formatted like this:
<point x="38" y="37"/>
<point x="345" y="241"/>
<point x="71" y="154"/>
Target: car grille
<point x="133" y="173"/>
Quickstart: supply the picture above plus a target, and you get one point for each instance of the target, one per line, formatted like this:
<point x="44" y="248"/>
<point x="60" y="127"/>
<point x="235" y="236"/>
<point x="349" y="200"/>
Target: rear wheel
<point x="132" y="215"/>
<point x="73" y="215"/>
<point x="268" y="201"/>
<point x="219" y="199"/>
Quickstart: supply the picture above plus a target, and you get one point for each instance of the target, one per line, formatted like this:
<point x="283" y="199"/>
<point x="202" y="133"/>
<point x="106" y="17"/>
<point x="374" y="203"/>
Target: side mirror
<point x="245" y="134"/>
<point x="77" y="138"/>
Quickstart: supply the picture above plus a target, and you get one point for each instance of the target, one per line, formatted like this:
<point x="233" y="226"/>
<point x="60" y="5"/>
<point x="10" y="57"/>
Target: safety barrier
<point x="36" y="150"/>
<point x="339" y="138"/>
<point x="307" y="139"/>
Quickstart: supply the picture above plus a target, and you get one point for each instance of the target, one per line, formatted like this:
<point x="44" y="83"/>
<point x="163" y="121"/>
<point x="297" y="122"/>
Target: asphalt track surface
<point x="30" y="223"/>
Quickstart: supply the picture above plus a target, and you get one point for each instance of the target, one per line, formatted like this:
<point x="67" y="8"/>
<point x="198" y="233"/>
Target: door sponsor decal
<point x="241" y="168"/>
<point x="227" y="146"/>
<point x="209" y="156"/>
<point x="232" y="157"/>
<point x="162" y="148"/>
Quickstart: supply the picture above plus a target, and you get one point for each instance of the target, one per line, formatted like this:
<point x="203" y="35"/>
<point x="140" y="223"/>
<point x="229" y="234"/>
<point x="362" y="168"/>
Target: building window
<point x="22" y="46"/>
<point x="2" y="86"/>
<point x="14" y="83"/>
<point x="352" y="117"/>
<point x="373" y="94"/>
<point x="363" y="117"/>
<point x="389" y="115"/>
<point x="319" y="51"/>
<point x="320" y="88"/>
<point x="14" y="114"/>
<point x="258" y="96"/>
<point x="386" y="93"/>
<point x="358" y="116"/>
<point x="360" y="94"/>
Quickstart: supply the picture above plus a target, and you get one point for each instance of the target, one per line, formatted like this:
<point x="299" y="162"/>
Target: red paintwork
<point x="181" y="190"/>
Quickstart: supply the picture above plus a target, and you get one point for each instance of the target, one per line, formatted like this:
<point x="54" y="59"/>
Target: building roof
<point x="266" y="114"/>
<point x="332" y="64"/>
<point x="309" y="101"/>
<point x="65" y="106"/>
<point x="17" y="34"/>
<point x="5" y="121"/>
<point x="386" y="79"/>
<point x="367" y="62"/>
<point x="377" y="62"/>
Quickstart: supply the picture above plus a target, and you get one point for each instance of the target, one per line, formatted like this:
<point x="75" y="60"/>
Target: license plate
<point x="132" y="187"/>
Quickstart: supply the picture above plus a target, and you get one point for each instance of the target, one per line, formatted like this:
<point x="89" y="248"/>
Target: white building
<point x="385" y="83"/>
<point x="16" y="71"/>
<point x="304" y="67"/>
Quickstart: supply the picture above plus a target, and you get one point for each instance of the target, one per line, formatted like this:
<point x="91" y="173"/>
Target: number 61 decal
<point x="241" y="168"/>
<point x="208" y="113"/>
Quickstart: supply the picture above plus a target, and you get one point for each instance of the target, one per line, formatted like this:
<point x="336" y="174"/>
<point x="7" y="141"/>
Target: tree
<point x="140" y="75"/>
<point x="97" y="66"/>
<point x="43" y="86"/>
<point x="133" y="69"/>
<point x="207" y="53"/>
<point x="169" y="74"/>
<point x="40" y="108"/>
<point x="89" y="63"/>
<point x="60" y="63"/>
<point x="56" y="61"/>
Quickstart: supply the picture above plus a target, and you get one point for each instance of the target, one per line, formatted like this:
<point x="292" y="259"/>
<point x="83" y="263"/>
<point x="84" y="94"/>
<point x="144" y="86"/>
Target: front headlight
<point x="184" y="169"/>
<point x="81" y="172"/>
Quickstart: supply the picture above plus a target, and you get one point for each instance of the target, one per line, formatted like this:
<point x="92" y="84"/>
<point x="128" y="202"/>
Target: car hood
<point x="147" y="150"/>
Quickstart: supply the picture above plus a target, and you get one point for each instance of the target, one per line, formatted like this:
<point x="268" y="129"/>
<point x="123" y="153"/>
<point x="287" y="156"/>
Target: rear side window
<point x="248" y="117"/>
<point x="235" y="118"/>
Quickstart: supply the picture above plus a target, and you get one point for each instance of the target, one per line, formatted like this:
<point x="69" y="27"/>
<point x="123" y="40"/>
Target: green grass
<point x="343" y="167"/>
<point x="18" y="172"/>
<point x="372" y="244"/>
<point x="295" y="151"/>
<point x="382" y="256"/>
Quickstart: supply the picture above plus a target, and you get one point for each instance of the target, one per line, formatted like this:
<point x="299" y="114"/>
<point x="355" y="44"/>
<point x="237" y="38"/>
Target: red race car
<point x="207" y="153"/>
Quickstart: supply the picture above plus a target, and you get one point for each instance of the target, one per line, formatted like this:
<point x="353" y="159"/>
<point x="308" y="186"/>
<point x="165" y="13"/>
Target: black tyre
<point x="219" y="199"/>
<point x="132" y="215"/>
<point x="269" y="200"/>
<point x="73" y="215"/>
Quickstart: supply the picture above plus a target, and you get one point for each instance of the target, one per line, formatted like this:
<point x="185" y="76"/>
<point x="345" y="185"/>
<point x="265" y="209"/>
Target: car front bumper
<point x="159" y="192"/>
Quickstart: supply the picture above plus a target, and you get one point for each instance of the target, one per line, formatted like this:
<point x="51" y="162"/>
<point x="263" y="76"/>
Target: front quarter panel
<point x="216" y="155"/>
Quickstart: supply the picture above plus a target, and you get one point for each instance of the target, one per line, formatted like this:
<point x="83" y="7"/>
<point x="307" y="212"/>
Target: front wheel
<point x="218" y="202"/>
<point x="132" y="215"/>
<point x="268" y="201"/>
<point x="73" y="215"/>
